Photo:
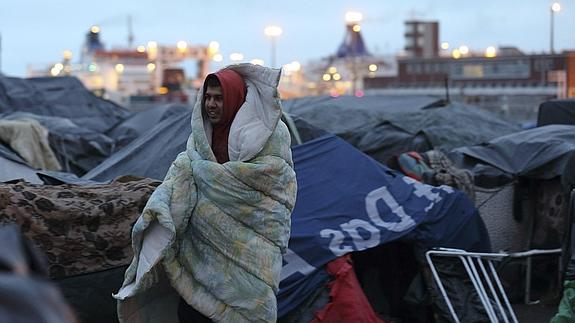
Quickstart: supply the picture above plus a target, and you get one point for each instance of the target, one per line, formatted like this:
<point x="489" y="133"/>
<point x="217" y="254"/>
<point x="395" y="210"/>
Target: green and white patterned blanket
<point x="214" y="233"/>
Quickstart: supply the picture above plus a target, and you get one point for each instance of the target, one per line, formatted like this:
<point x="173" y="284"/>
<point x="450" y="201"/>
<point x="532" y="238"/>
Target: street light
<point x="555" y="7"/>
<point x="273" y="32"/>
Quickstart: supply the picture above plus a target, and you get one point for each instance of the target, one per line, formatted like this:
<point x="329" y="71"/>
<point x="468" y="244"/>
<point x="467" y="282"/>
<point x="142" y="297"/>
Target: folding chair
<point x="485" y="280"/>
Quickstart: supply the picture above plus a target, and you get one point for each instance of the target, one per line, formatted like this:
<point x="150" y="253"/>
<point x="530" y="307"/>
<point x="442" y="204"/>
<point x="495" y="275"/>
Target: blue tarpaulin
<point x="348" y="202"/>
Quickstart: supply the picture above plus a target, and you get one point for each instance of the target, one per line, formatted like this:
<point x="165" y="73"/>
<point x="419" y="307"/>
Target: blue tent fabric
<point x="349" y="202"/>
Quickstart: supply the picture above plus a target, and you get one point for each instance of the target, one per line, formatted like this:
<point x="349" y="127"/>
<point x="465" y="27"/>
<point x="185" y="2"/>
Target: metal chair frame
<point x="481" y="271"/>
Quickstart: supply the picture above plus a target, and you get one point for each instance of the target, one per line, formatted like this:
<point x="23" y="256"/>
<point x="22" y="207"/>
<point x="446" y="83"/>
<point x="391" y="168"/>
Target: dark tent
<point x="78" y="148"/>
<point x="383" y="126"/>
<point x="76" y="119"/>
<point x="12" y="167"/>
<point x="64" y="97"/>
<point x="539" y="153"/>
<point x="556" y="112"/>
<point x="152" y="153"/>
<point x="141" y="122"/>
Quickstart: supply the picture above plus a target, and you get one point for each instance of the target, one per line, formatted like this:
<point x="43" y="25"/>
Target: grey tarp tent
<point x="383" y="126"/>
<point x="64" y="97"/>
<point x="152" y="153"/>
<point x="76" y="119"/>
<point x="139" y="123"/>
<point x="539" y="153"/>
<point x="561" y="111"/>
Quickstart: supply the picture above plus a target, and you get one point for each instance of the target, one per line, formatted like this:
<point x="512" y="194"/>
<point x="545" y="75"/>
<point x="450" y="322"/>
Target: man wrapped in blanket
<point x="209" y="243"/>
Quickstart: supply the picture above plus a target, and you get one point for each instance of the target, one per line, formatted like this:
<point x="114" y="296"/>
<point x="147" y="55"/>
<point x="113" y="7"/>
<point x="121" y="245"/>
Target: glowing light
<point x="332" y="70"/>
<point x="236" y="57"/>
<point x="464" y="50"/>
<point x="214" y="45"/>
<point x="257" y="61"/>
<point x="119" y="68"/>
<point x="95" y="29"/>
<point x="359" y="93"/>
<point x="218" y="57"/>
<point x="273" y="31"/>
<point x="456" y="54"/>
<point x="336" y="77"/>
<point x="372" y="67"/>
<point x="141" y="49"/>
<point x="292" y="67"/>
<point x="326" y="77"/>
<point x="58" y="66"/>
<point x="152" y="44"/>
<point x="163" y="90"/>
<point x="445" y="45"/>
<point x="356" y="28"/>
<point x="182" y="46"/>
<point x="92" y="67"/>
<point x="151" y="67"/>
<point x="490" y="51"/>
<point x="213" y="48"/>
<point x="67" y="54"/>
<point x="353" y="17"/>
<point x="296" y="66"/>
<point x="54" y="71"/>
<point x="556" y="6"/>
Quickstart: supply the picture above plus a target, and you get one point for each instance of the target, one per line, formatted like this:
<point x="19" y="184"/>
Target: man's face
<point x="214" y="104"/>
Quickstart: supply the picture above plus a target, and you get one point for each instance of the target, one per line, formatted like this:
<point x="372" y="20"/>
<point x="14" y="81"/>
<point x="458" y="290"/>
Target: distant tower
<point x="130" y="33"/>
<point x="92" y="43"/>
<point x="421" y="38"/>
<point x="352" y="45"/>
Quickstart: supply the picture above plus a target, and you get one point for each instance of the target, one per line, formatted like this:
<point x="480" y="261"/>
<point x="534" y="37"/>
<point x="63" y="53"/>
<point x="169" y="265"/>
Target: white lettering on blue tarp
<point x="295" y="264"/>
<point x="423" y="190"/>
<point x="352" y="227"/>
<point x="335" y="245"/>
<point x="382" y="193"/>
<point x="371" y="234"/>
<point x="406" y="222"/>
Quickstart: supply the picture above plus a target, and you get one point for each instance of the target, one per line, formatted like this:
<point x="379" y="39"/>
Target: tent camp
<point x="347" y="202"/>
<point x="433" y="216"/>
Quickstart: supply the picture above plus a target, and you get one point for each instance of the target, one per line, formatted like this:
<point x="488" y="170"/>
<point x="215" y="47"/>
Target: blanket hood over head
<point x="256" y="119"/>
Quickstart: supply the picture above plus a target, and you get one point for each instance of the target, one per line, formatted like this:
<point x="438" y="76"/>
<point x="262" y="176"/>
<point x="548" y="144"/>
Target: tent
<point x="343" y="208"/>
<point x="560" y="111"/>
<point x="540" y="153"/>
<point x="12" y="167"/>
<point x="139" y="123"/>
<point x="384" y="126"/>
<point x="152" y="153"/>
<point x="64" y="97"/>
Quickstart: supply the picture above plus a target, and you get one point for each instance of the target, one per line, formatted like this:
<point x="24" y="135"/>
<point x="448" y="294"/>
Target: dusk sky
<point x="38" y="31"/>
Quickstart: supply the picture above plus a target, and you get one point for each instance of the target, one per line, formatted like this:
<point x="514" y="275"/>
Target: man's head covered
<point x="224" y="94"/>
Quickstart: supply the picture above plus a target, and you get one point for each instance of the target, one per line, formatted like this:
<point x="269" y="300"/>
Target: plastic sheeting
<point x="152" y="153"/>
<point x="143" y="121"/>
<point x="78" y="148"/>
<point x="556" y="112"/>
<point x="64" y="97"/>
<point x="384" y="126"/>
<point x="540" y="153"/>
